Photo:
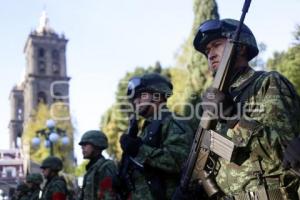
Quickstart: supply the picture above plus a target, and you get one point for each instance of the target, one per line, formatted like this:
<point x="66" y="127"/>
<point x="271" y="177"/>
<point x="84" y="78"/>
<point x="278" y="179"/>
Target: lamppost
<point x="52" y="135"/>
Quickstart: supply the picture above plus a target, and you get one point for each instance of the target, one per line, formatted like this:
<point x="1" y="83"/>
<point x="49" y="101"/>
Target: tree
<point x="60" y="113"/>
<point x="288" y="62"/>
<point x="199" y="76"/>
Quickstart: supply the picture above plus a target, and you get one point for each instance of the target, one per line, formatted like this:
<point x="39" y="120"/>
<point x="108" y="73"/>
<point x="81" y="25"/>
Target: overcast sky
<point x="108" y="38"/>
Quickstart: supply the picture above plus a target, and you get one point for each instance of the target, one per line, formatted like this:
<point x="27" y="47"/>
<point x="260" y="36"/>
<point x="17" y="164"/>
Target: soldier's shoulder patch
<point x="274" y="83"/>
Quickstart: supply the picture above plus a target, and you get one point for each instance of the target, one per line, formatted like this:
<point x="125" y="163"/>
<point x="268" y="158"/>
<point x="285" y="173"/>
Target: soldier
<point x="98" y="180"/>
<point x="55" y="187"/>
<point x="163" y="143"/>
<point x="21" y="192"/>
<point x="269" y="113"/>
<point x="33" y="182"/>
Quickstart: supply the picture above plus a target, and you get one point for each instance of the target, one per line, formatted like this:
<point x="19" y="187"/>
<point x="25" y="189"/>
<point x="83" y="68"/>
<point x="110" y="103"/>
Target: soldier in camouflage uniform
<point x="269" y="118"/>
<point x="98" y="180"/>
<point x="21" y="192"/>
<point x="163" y="142"/>
<point x="34" y="181"/>
<point x="55" y="187"/>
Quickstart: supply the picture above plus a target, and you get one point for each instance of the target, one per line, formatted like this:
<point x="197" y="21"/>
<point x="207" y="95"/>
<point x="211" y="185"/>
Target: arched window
<point x="55" y="55"/>
<point x="42" y="67"/>
<point x="41" y="53"/>
<point x="42" y="97"/>
<point x="55" y="68"/>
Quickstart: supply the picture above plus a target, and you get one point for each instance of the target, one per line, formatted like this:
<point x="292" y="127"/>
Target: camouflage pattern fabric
<point x="33" y="194"/>
<point x="273" y="106"/>
<point x="55" y="189"/>
<point x="168" y="158"/>
<point x="21" y="192"/>
<point x="98" y="180"/>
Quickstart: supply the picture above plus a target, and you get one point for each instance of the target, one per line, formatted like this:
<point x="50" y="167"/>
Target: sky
<point x="108" y="38"/>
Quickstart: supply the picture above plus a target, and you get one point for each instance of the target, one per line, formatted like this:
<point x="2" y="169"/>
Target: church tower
<point x="45" y="78"/>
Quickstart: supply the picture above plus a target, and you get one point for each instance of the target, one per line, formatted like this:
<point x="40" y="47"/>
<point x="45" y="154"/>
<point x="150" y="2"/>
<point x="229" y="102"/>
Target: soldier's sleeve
<point x="59" y="196"/>
<point x="275" y="108"/>
<point x="105" y="179"/>
<point x="177" y="137"/>
<point x="59" y="190"/>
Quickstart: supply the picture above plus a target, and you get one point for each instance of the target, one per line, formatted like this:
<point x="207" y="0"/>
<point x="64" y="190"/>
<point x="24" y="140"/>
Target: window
<point x="20" y="114"/>
<point x="42" y="97"/>
<point x="41" y="53"/>
<point x="55" y="68"/>
<point x="9" y="173"/>
<point x="42" y="67"/>
<point x="55" y="55"/>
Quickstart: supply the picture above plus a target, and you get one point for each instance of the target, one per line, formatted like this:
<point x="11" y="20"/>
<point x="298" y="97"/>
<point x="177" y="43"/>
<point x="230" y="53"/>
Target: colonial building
<point x="45" y="77"/>
<point x="11" y="169"/>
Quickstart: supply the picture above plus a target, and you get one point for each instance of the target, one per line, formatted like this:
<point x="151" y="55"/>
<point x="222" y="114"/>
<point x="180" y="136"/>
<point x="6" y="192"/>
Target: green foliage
<point x="80" y="169"/>
<point x="297" y="35"/>
<point x="179" y="80"/>
<point x="37" y="122"/>
<point x="115" y="121"/>
<point x="288" y="62"/>
<point x="199" y="77"/>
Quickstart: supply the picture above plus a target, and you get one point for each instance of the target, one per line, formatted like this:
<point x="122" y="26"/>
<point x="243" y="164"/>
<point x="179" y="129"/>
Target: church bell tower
<point x="46" y="78"/>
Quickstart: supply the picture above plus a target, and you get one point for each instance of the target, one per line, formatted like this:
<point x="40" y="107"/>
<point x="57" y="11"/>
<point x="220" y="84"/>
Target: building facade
<point x="12" y="170"/>
<point x="45" y="79"/>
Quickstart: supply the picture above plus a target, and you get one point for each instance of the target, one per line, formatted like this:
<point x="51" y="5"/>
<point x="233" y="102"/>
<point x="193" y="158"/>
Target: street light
<point x="52" y="135"/>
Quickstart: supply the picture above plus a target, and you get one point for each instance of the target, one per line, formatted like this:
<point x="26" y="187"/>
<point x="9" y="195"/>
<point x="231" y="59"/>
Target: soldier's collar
<point x="241" y="76"/>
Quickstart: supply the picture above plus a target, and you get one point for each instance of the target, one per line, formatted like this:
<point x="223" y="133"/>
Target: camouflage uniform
<point x="97" y="182"/>
<point x="272" y="118"/>
<point x="100" y="172"/>
<point x="55" y="188"/>
<point x="165" y="159"/>
<point x="34" y="194"/>
<point x="261" y="137"/>
<point x="21" y="192"/>
<point x="165" y="146"/>
<point x="34" y="181"/>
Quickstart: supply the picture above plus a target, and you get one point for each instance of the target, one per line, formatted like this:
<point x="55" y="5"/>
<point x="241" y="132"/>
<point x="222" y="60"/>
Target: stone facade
<point x="45" y="77"/>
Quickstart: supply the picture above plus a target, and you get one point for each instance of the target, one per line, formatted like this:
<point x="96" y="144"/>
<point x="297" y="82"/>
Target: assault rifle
<point x="126" y="184"/>
<point x="206" y="140"/>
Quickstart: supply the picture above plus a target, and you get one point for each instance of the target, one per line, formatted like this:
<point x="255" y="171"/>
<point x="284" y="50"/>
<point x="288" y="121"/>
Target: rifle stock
<point x="200" y="150"/>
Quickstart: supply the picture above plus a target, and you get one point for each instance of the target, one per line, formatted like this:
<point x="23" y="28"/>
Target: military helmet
<point x="225" y="28"/>
<point x="35" y="178"/>
<point x="94" y="137"/>
<point x="22" y="187"/>
<point x="52" y="163"/>
<point x="152" y="82"/>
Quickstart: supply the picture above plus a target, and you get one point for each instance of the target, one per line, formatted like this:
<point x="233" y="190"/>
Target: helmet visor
<point x="133" y="84"/>
<point x="210" y="25"/>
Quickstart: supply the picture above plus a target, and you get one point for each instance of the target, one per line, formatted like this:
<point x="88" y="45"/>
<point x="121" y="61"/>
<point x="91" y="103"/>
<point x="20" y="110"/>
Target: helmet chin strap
<point x="146" y="109"/>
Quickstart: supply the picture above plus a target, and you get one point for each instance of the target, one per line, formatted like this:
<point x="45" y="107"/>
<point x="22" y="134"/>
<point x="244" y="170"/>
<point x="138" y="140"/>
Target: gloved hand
<point x="130" y="145"/>
<point x="220" y="105"/>
<point x="291" y="155"/>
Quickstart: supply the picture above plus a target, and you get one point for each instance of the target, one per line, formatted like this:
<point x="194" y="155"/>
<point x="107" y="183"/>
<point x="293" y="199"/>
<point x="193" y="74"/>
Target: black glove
<point x="220" y="105"/>
<point x="291" y="155"/>
<point x="130" y="145"/>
